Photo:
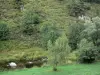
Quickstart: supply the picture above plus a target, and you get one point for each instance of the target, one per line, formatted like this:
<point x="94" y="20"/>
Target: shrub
<point x="49" y="32"/>
<point x="73" y="56"/>
<point x="78" y="9"/>
<point x="31" y="17"/>
<point x="92" y="31"/>
<point x="74" y="33"/>
<point x="88" y="53"/>
<point x="60" y="0"/>
<point x="19" y="4"/>
<point x="30" y="22"/>
<point x="4" y="31"/>
<point x="29" y="29"/>
<point x="88" y="56"/>
<point x="92" y="1"/>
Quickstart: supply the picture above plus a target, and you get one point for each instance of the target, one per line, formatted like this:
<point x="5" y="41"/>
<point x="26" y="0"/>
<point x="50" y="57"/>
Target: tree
<point x="78" y="9"/>
<point x="88" y="52"/>
<point x="30" y="22"/>
<point x="74" y="35"/>
<point x="4" y="31"/>
<point x="92" y="31"/>
<point x="50" y="32"/>
<point x="59" y="51"/>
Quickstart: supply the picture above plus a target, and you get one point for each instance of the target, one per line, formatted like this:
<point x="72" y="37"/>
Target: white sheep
<point x="12" y="65"/>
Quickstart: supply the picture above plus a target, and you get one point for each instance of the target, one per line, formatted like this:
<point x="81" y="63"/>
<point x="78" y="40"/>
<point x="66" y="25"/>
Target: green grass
<point x="21" y="53"/>
<point x="76" y="69"/>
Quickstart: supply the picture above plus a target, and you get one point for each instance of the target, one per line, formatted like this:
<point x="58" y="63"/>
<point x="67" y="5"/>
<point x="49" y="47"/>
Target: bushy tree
<point x="88" y="53"/>
<point x="49" y="32"/>
<point x="31" y="17"/>
<point x="4" y="31"/>
<point x="58" y="51"/>
<point x="74" y="35"/>
<point x="18" y="4"/>
<point x="78" y="9"/>
<point x="92" y="31"/>
<point x="30" y="22"/>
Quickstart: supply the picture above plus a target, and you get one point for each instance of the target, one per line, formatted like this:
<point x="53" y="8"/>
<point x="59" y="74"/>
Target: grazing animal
<point x="21" y="65"/>
<point x="12" y="65"/>
<point x="29" y="64"/>
<point x="36" y="62"/>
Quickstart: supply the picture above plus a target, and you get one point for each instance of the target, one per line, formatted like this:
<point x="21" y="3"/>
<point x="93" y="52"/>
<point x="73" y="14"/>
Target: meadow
<point x="75" y="69"/>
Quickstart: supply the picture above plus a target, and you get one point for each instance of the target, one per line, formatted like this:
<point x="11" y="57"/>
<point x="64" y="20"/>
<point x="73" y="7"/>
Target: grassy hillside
<point x="54" y="11"/>
<point x="21" y="54"/>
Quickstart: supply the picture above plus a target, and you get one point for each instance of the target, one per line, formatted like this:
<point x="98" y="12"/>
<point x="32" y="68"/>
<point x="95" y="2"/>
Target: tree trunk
<point x="55" y="63"/>
<point x="54" y="68"/>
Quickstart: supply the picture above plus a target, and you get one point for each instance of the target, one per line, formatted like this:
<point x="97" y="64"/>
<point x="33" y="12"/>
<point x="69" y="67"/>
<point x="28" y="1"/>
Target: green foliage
<point x="4" y="31"/>
<point x="59" y="50"/>
<point x="60" y="0"/>
<point x="30" y="22"/>
<point x="73" y="56"/>
<point x="20" y="54"/>
<point x="88" y="53"/>
<point x="18" y="4"/>
<point x="52" y="10"/>
<point x="29" y="30"/>
<point x="92" y="31"/>
<point x="74" y="35"/>
<point x="31" y="17"/>
<point x="78" y="9"/>
<point x="49" y="32"/>
<point x="92" y="1"/>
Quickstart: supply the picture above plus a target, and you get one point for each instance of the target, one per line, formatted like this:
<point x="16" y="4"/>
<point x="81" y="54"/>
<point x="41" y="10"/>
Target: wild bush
<point x="4" y="31"/>
<point x="48" y="32"/>
<point x="74" y="34"/>
<point x="92" y="31"/>
<point x="88" y="56"/>
<point x="88" y="52"/>
<point x="30" y="22"/>
<point x="78" y="9"/>
<point x="92" y="1"/>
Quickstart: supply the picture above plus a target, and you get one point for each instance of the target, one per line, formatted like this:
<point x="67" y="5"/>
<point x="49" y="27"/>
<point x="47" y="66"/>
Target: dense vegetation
<point x="62" y="30"/>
